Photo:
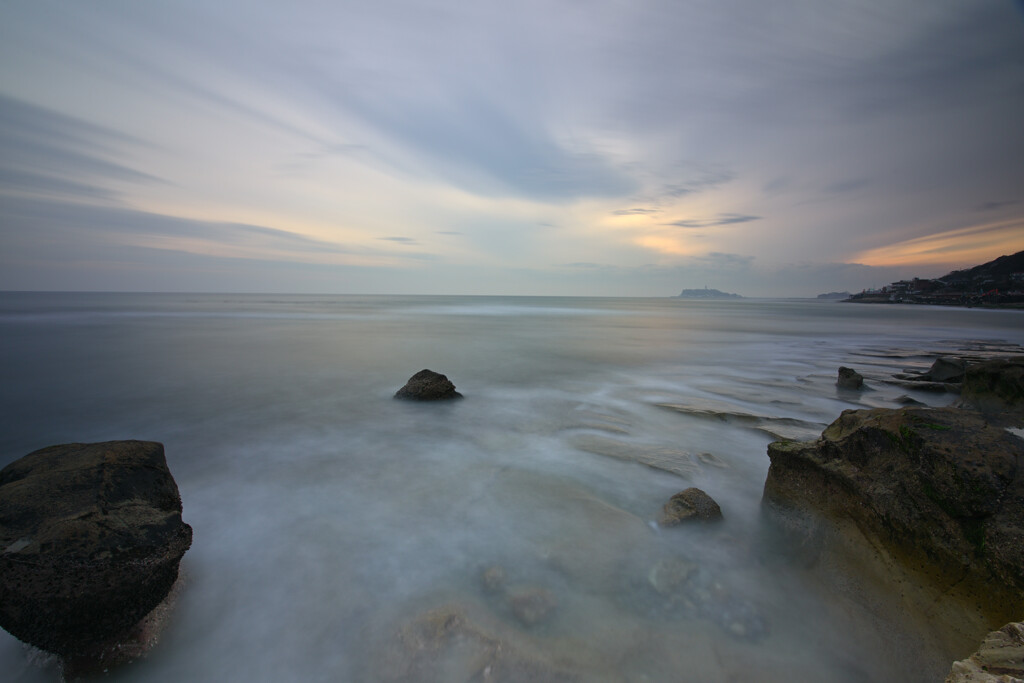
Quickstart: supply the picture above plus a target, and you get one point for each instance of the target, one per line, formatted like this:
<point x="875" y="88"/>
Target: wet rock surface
<point x="90" y="540"/>
<point x="690" y="505"/>
<point x="939" y="491"/>
<point x="996" y="386"/>
<point x="427" y="385"/>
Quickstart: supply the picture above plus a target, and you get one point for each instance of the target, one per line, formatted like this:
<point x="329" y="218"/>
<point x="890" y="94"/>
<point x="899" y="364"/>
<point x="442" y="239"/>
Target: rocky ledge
<point x="940" y="490"/>
<point x="90" y="540"/>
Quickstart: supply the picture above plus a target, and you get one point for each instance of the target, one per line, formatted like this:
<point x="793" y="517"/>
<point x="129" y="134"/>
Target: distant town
<point x="998" y="283"/>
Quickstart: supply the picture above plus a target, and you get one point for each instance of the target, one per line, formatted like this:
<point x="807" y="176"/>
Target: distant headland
<point x="706" y="294"/>
<point x="998" y="283"/>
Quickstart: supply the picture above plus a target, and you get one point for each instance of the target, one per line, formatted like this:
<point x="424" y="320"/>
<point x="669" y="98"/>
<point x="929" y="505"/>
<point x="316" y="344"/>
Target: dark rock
<point x="90" y="540"/>
<point x="996" y="386"/>
<point x="908" y="401"/>
<point x="938" y="490"/>
<point x="849" y="379"/>
<point x="427" y="385"/>
<point x="945" y="370"/>
<point x="689" y="505"/>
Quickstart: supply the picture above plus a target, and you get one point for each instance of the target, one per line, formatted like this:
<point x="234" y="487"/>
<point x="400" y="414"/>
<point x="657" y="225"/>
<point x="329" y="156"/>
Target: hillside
<point x="999" y="282"/>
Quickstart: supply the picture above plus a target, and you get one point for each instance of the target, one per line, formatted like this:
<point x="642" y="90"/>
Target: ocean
<point x="342" y="535"/>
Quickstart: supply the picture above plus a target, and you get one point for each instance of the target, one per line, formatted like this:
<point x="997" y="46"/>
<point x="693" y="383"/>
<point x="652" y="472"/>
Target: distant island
<point x="998" y="283"/>
<point x="706" y="294"/>
<point x="835" y="295"/>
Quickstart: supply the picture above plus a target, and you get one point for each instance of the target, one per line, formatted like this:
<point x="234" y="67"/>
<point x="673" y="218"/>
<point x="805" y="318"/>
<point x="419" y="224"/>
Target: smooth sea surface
<point x="328" y="516"/>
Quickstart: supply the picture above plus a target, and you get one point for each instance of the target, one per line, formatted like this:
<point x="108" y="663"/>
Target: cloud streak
<point x="722" y="219"/>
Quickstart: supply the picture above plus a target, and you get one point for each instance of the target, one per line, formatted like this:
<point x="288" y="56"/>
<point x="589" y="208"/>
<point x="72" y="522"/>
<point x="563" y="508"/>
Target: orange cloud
<point x="664" y="245"/>
<point x="964" y="246"/>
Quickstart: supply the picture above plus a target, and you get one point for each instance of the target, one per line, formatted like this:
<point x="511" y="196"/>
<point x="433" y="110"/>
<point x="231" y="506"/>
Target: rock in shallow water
<point x="90" y="540"/>
<point x="850" y="379"/>
<point x="427" y="385"/>
<point x="997" y="386"/>
<point x="689" y="505"/>
<point x="939" y="489"/>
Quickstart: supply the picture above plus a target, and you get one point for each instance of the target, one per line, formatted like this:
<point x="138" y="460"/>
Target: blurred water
<point x="326" y="513"/>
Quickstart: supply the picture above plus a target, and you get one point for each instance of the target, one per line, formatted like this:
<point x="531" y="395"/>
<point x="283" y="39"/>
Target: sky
<point x="533" y="147"/>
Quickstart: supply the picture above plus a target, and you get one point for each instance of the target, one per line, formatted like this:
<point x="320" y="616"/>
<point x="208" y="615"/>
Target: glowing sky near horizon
<point x="557" y="147"/>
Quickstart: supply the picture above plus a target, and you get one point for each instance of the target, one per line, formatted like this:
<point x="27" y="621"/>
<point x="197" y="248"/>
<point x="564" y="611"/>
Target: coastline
<point x="1012" y="306"/>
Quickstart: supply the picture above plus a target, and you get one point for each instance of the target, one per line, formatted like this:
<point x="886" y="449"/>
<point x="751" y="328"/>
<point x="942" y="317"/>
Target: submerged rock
<point x="1000" y="659"/>
<point x="427" y="385"/>
<point x="689" y="505"/>
<point x="90" y="540"/>
<point x="849" y="379"/>
<point x="686" y="589"/>
<point x="492" y="579"/>
<point x="461" y="644"/>
<point x="532" y="605"/>
<point x="937" y="491"/>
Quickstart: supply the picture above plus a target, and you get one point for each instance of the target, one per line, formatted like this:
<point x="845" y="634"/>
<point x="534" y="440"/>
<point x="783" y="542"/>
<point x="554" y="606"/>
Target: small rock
<point x="908" y="401"/>
<point x="532" y="605"/>
<point x="689" y="505"/>
<point x="427" y="385"/>
<point x="850" y="379"/>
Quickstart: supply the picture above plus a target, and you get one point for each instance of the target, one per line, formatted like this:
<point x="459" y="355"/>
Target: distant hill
<point x="835" y="295"/>
<point x="999" y="282"/>
<point x="706" y="294"/>
<point x="997" y="270"/>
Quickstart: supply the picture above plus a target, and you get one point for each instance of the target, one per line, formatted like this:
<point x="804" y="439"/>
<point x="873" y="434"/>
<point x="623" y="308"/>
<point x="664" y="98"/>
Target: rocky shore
<point x="928" y="503"/>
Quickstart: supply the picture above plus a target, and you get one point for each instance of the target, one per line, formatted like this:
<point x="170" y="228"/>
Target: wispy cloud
<point x="721" y="260"/>
<point x="972" y="244"/>
<point x="722" y="219"/>
<point x="636" y="212"/>
<point x="49" y="153"/>
<point x="995" y="206"/>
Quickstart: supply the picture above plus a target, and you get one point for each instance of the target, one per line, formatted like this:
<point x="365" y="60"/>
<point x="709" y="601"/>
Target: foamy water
<point x="327" y="515"/>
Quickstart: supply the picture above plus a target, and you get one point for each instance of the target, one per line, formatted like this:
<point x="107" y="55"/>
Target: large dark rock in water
<point x="90" y="540"/>
<point x="996" y="386"/>
<point x="850" y="379"/>
<point x="427" y="385"/>
<point x="938" y="492"/>
<point x="946" y="369"/>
